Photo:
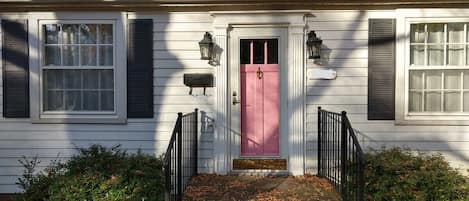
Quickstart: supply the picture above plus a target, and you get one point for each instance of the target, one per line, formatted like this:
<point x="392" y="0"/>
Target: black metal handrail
<point x="180" y="160"/>
<point x="340" y="157"/>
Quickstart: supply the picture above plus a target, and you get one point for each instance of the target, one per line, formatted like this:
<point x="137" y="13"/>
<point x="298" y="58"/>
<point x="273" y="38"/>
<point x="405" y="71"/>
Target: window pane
<point x="455" y="33"/>
<point x="70" y="54"/>
<point x="88" y="33"/>
<point x="88" y="55"/>
<point x="51" y="33"/>
<point x="435" y="33"/>
<point x="107" y="101"/>
<point x="105" y="56"/>
<point x="415" y="80"/>
<point x="417" y="33"/>
<point x="107" y="79"/>
<point x="72" y="79"/>
<point x="433" y="101"/>
<point x="466" y="79"/>
<point x="105" y="34"/>
<point x="415" y="102"/>
<point x="466" y="102"/>
<point x="70" y="33"/>
<point x="90" y="100"/>
<point x="272" y="57"/>
<point x="52" y="55"/>
<point x="245" y="51"/>
<point x="417" y="54"/>
<point x="433" y="79"/>
<point x="455" y="55"/>
<point x="53" y="79"/>
<point x="90" y="79"/>
<point x="53" y="100"/>
<point x="258" y="52"/>
<point x="435" y="55"/>
<point x="452" y="102"/>
<point x="73" y="100"/>
<point x="452" y="79"/>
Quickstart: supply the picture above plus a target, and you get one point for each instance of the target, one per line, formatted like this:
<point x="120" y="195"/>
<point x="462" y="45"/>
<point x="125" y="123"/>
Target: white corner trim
<point x="296" y="98"/>
<point x="222" y="106"/>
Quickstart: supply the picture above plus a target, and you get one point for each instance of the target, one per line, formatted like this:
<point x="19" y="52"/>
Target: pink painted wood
<point x="259" y="108"/>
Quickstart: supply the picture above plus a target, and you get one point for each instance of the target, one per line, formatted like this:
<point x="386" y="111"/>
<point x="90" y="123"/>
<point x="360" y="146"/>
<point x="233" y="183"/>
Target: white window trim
<point x="119" y="115"/>
<point x="405" y="17"/>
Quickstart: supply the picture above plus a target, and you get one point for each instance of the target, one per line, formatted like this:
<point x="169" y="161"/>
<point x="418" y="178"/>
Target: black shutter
<point x="140" y="69"/>
<point x="381" y="69"/>
<point x="15" y="56"/>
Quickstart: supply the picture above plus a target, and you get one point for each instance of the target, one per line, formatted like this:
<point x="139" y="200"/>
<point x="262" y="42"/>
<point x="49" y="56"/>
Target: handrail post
<point x="319" y="142"/>
<point x="179" y="158"/>
<point x="196" y="147"/>
<point x="343" y="156"/>
<point x="361" y="179"/>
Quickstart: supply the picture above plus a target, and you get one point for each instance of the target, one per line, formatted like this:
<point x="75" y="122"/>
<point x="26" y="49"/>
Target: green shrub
<point x="397" y="174"/>
<point x="95" y="174"/>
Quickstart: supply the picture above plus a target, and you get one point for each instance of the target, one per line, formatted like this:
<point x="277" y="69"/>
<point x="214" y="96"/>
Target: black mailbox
<point x="198" y="80"/>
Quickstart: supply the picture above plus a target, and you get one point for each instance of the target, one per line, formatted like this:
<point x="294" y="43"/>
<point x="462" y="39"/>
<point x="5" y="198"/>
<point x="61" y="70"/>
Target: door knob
<point x="235" y="98"/>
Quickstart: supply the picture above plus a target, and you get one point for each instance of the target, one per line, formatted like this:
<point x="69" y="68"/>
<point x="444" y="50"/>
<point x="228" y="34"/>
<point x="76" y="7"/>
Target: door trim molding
<point x="295" y="21"/>
<point x="280" y="33"/>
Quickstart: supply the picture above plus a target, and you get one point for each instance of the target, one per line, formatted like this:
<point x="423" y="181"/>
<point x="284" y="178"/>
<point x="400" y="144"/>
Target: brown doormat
<point x="259" y="164"/>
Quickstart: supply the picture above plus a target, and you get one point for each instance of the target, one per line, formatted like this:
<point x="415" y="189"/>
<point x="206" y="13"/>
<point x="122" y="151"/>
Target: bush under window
<point x="95" y="174"/>
<point x="398" y="174"/>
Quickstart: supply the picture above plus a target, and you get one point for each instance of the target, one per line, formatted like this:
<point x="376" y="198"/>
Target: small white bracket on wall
<point x="319" y="74"/>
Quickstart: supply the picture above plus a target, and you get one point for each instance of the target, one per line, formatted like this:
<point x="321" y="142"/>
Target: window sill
<point x="79" y="119"/>
<point x="432" y="120"/>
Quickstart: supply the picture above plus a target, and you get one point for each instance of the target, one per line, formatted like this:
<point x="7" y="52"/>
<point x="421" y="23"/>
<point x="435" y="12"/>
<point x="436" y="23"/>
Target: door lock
<point x="235" y="98"/>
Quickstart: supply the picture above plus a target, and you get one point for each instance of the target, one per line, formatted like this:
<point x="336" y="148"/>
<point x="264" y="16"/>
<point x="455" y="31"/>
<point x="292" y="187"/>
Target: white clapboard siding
<point x="342" y="35"/>
<point x="339" y="25"/>
<point x="182" y="26"/>
<point x="345" y="41"/>
<point x="339" y="81"/>
<point x="178" y="37"/>
<point x="337" y="90"/>
<point x="176" y="52"/>
<point x="164" y="72"/>
<point x="339" y="62"/>
<point x="344" y="72"/>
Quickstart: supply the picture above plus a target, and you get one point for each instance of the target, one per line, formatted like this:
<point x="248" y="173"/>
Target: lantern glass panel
<point x="205" y="51"/>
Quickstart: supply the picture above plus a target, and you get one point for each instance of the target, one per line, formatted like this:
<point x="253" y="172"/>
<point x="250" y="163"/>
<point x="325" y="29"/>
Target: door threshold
<point x="259" y="164"/>
<point x="259" y="157"/>
<point x="260" y="172"/>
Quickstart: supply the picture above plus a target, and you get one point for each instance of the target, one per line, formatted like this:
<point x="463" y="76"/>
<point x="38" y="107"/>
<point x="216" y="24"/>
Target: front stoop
<point x="259" y="164"/>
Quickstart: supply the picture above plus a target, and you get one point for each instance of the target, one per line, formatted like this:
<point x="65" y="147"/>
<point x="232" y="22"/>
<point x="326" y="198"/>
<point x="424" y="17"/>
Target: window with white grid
<point x="438" y="72"/>
<point x="78" y="68"/>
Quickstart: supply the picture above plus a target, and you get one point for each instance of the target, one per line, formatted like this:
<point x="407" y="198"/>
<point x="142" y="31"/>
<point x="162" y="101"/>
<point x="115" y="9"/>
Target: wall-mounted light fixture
<point x="206" y="47"/>
<point x="314" y="45"/>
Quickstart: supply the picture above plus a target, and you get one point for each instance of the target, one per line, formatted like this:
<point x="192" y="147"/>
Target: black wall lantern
<point x="206" y="47"/>
<point x="314" y="45"/>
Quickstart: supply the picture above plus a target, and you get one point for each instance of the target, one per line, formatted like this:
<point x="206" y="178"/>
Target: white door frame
<point x="295" y="82"/>
<point x="255" y="32"/>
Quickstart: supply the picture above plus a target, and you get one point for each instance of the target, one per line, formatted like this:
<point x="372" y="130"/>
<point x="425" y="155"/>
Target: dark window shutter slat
<point x="381" y="69"/>
<point x="15" y="57"/>
<point x="140" y="69"/>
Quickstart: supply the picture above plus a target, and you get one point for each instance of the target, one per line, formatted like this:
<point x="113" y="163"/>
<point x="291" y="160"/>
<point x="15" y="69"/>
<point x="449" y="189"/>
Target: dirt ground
<point x="270" y="188"/>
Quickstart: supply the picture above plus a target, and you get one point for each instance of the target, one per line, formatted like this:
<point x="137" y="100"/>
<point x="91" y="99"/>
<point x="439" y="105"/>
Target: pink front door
<point x="259" y="97"/>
